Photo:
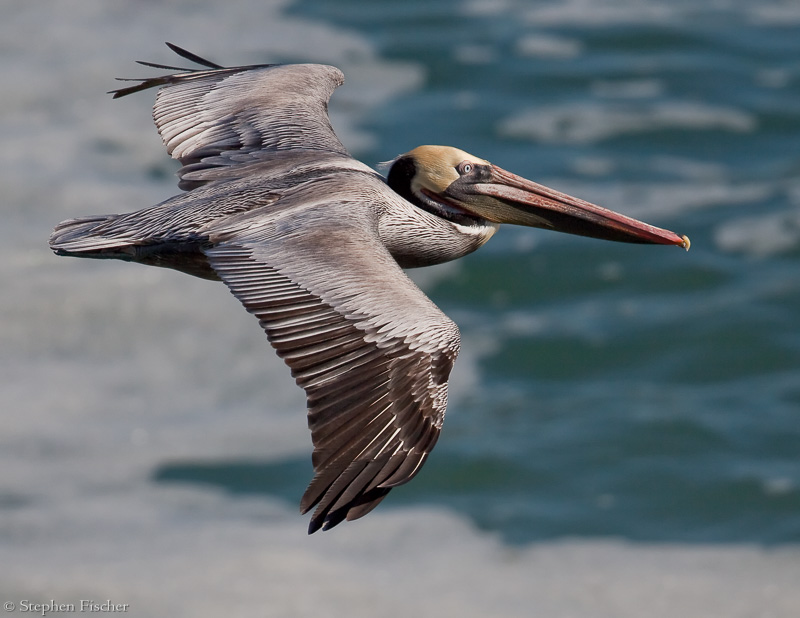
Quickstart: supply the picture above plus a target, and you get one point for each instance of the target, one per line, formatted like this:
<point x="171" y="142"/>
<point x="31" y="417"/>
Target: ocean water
<point x="623" y="435"/>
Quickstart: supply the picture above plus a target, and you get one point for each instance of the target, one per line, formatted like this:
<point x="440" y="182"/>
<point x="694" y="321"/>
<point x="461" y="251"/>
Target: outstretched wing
<point x="372" y="352"/>
<point x="234" y="116"/>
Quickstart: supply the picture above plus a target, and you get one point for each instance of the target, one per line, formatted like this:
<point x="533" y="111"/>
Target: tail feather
<point x="108" y="237"/>
<point x="84" y="237"/>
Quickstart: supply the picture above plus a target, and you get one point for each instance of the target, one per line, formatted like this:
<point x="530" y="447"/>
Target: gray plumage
<point x="313" y="242"/>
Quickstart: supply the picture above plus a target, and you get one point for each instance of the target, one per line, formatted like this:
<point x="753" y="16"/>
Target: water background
<point x="604" y="391"/>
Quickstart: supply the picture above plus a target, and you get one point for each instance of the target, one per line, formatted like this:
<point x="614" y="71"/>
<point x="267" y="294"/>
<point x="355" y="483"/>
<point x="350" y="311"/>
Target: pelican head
<point x="460" y="187"/>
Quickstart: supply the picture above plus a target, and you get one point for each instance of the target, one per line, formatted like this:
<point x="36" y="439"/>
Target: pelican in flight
<point x="314" y="243"/>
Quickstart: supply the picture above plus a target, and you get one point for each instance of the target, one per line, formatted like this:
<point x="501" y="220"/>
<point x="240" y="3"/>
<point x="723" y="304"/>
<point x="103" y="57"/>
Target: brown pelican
<point x="313" y="243"/>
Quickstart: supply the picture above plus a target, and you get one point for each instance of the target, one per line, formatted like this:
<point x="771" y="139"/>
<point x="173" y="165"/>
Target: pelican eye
<point x="465" y="167"/>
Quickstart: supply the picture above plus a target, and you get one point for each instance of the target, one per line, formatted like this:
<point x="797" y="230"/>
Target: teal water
<point x="627" y="391"/>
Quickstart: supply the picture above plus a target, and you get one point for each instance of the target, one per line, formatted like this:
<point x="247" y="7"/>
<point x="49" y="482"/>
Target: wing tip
<point x="183" y="53"/>
<point x="327" y="517"/>
<point x="183" y="73"/>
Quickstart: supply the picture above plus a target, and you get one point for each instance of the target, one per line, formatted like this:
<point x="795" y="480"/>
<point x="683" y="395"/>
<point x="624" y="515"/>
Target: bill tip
<point x="686" y="242"/>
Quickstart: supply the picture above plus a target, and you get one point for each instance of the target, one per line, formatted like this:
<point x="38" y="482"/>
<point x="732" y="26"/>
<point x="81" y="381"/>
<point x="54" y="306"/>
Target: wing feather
<point x="372" y="352"/>
<point x="229" y="117"/>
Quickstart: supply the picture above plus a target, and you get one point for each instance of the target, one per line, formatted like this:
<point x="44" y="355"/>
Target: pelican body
<point x="313" y="243"/>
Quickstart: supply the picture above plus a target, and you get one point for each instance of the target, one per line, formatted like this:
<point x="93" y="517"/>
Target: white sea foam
<point x="548" y="46"/>
<point x="764" y="234"/>
<point x="761" y="235"/>
<point x="190" y="553"/>
<point x="592" y="13"/>
<point x="588" y="13"/>
<point x="584" y="122"/>
<point x="783" y="14"/>
<point x="628" y="89"/>
<point x="487" y="7"/>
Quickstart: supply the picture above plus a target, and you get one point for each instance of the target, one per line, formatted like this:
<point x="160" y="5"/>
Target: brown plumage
<point x="313" y="242"/>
